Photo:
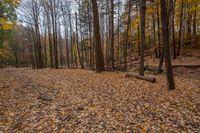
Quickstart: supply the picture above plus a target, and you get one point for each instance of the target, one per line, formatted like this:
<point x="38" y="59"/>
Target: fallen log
<point x="186" y="66"/>
<point x="153" y="70"/>
<point x="135" y="75"/>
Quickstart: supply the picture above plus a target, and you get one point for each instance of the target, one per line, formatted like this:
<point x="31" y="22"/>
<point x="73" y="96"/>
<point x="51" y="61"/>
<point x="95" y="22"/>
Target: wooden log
<point x="135" y="75"/>
<point x="153" y="70"/>
<point x="186" y="66"/>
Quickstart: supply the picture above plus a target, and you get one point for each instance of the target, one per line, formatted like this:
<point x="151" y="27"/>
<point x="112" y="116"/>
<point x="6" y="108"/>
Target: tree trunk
<point x="118" y="33"/>
<point x="99" y="52"/>
<point x="31" y="56"/>
<point x="107" y="36"/>
<point x="154" y="35"/>
<point x="67" y="47"/>
<point x="39" y="47"/>
<point x="45" y="48"/>
<point x="189" y="20"/>
<point x="54" y="27"/>
<point x="71" y="40"/>
<point x="142" y="34"/>
<point x="60" y="46"/>
<point x="180" y="30"/>
<point x="126" y="43"/>
<point x="112" y="34"/>
<point x="165" y="30"/>
<point x="66" y="36"/>
<point x="194" y="19"/>
<point x="77" y="44"/>
<point x="173" y="31"/>
<point x="90" y="39"/>
<point x="158" y="28"/>
<point x="49" y="36"/>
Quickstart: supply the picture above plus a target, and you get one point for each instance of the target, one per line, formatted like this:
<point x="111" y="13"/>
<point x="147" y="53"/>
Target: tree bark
<point x="126" y="43"/>
<point x="165" y="30"/>
<point x="71" y="40"/>
<point x="173" y="30"/>
<point x="99" y="52"/>
<point x="118" y="32"/>
<point x="112" y="34"/>
<point x="158" y="28"/>
<point x="194" y="19"/>
<point x="180" y="29"/>
<point x="90" y="40"/>
<point x="77" y="44"/>
<point x="54" y="27"/>
<point x="49" y="36"/>
<point x="45" y="49"/>
<point x="154" y="35"/>
<point x="142" y="34"/>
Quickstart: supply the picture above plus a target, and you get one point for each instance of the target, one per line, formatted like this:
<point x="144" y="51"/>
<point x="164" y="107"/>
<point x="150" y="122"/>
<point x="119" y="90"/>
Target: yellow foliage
<point x="4" y="53"/>
<point x="13" y="2"/>
<point x="2" y="20"/>
<point x="5" y="25"/>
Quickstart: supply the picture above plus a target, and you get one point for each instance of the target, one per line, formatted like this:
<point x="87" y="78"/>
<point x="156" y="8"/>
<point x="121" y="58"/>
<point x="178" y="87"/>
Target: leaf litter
<point x="83" y="101"/>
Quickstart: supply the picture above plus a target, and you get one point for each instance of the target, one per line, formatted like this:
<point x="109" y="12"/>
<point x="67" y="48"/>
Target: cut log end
<point x="135" y="75"/>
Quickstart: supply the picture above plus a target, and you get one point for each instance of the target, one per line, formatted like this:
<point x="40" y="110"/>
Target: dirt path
<point x="83" y="101"/>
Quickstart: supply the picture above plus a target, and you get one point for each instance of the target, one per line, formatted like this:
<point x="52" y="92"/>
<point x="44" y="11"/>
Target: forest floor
<point x="84" y="101"/>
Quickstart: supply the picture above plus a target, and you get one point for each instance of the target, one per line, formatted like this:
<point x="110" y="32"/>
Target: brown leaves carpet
<point x="83" y="101"/>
